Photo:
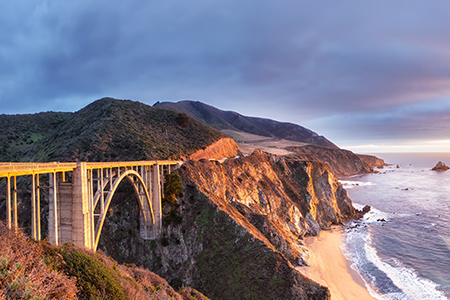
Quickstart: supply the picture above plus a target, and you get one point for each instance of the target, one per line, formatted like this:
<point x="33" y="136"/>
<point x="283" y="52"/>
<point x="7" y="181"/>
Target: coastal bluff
<point x="341" y="162"/>
<point x="241" y="223"/>
<point x="223" y="148"/>
<point x="237" y="229"/>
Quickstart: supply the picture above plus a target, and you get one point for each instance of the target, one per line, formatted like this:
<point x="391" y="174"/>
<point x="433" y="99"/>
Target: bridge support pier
<point x="156" y="199"/>
<point x="53" y="224"/>
<point x="82" y="208"/>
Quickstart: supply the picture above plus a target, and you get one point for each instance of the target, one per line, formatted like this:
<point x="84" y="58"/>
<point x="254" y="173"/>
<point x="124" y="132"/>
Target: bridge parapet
<point x="80" y="194"/>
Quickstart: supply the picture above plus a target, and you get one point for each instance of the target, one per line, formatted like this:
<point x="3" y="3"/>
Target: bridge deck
<point x="8" y="169"/>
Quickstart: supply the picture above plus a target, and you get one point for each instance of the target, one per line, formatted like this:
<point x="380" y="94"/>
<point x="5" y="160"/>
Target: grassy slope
<point x="30" y="270"/>
<point x="20" y="132"/>
<point x="110" y="129"/>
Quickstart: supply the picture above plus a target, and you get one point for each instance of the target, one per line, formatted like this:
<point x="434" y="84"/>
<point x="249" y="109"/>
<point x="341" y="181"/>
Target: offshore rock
<point x="360" y="213"/>
<point x="440" y="166"/>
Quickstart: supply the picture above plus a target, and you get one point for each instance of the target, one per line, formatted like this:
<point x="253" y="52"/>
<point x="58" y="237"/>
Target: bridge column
<point x="82" y="214"/>
<point x="34" y="209"/>
<point x="53" y="224"/>
<point x="156" y="199"/>
<point x="8" y="202"/>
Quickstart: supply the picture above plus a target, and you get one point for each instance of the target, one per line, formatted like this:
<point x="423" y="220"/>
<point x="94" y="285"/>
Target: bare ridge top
<point x="221" y="120"/>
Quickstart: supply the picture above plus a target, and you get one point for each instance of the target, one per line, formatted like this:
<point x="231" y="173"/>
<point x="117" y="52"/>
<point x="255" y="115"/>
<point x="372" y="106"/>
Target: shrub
<point x="95" y="280"/>
<point x="172" y="188"/>
<point x="183" y="120"/>
<point x="26" y="274"/>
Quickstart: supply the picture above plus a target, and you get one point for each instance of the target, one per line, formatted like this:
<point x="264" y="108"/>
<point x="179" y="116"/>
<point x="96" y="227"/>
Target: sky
<point x="371" y="76"/>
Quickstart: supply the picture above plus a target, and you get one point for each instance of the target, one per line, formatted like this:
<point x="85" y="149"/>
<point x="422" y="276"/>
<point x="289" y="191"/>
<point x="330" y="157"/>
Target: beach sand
<point x="329" y="267"/>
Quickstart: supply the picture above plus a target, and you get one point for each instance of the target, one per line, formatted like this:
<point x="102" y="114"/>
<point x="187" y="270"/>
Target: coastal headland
<point x="244" y="221"/>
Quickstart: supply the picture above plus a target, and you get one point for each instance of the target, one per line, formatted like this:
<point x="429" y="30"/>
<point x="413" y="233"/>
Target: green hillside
<point x="20" y="132"/>
<point x="111" y="130"/>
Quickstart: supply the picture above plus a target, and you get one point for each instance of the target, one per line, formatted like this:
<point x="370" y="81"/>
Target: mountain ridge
<point x="221" y="120"/>
<point x="277" y="137"/>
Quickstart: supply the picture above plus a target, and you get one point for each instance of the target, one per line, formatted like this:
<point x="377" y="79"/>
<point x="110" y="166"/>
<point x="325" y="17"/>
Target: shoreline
<point x="329" y="267"/>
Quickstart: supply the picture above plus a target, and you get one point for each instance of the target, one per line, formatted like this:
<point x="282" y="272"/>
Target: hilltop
<point x="111" y="130"/>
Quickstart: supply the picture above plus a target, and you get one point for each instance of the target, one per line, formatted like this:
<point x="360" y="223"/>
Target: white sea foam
<point x="348" y="184"/>
<point x="373" y="215"/>
<point x="355" y="238"/>
<point x="358" y="248"/>
<point x="413" y="287"/>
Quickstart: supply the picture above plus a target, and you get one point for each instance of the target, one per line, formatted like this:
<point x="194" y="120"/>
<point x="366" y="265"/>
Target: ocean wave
<point x="348" y="184"/>
<point x="374" y="215"/>
<point x="411" y="285"/>
<point x="384" y="281"/>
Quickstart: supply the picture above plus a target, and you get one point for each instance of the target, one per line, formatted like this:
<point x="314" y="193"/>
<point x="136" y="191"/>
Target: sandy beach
<point x="329" y="267"/>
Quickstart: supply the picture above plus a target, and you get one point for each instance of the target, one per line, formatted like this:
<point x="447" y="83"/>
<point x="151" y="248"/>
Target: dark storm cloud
<point x="328" y="65"/>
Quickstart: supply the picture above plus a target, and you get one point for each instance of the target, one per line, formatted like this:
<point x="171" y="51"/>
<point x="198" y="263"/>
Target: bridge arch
<point x="144" y="201"/>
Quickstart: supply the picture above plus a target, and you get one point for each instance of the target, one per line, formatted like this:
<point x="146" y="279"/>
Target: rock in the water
<point x="440" y="166"/>
<point x="360" y="213"/>
<point x="366" y="209"/>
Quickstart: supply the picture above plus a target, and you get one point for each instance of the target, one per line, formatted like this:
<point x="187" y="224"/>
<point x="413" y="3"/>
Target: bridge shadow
<point x="120" y="237"/>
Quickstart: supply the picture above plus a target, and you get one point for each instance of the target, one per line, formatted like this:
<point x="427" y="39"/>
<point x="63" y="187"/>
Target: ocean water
<point x="401" y="248"/>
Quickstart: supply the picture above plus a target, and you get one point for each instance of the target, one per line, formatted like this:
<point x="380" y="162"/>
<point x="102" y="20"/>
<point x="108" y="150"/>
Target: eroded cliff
<point x="372" y="161"/>
<point x="283" y="199"/>
<point x="341" y="162"/>
<point x="223" y="148"/>
<point x="236" y="232"/>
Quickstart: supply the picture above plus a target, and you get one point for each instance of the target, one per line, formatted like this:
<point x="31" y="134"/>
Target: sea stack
<point x="440" y="166"/>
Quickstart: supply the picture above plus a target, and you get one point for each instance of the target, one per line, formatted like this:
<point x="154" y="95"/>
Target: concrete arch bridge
<point x="80" y="194"/>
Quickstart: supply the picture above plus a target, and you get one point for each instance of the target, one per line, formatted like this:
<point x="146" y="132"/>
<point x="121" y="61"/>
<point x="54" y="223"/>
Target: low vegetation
<point x="30" y="270"/>
<point x="113" y="130"/>
<point x="172" y="189"/>
<point x="20" y="132"/>
<point x="27" y="273"/>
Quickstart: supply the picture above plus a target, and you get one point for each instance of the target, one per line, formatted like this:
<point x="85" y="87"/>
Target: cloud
<point x="422" y="122"/>
<point x="359" y="64"/>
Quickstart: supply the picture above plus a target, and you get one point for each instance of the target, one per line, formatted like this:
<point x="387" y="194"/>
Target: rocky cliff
<point x="223" y="148"/>
<point x="236" y="232"/>
<point x="341" y="162"/>
<point x="284" y="199"/>
<point x="372" y="161"/>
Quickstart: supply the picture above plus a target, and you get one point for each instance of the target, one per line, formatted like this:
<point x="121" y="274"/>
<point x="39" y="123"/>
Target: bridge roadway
<point x="79" y="195"/>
